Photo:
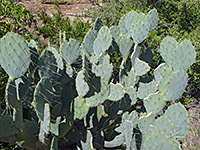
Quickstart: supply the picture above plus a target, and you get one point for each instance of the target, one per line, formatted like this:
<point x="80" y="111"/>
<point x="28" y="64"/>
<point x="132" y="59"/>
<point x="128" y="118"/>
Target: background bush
<point x="53" y="25"/>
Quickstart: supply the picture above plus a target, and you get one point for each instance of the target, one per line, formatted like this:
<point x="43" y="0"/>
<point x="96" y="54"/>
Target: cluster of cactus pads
<point x="68" y="96"/>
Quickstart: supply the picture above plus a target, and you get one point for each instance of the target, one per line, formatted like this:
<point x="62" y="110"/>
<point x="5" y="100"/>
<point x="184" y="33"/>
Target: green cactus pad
<point x="122" y="25"/>
<point x="152" y="19"/>
<point x="129" y="121"/>
<point x="70" y="51"/>
<point x="88" y="41"/>
<point x="99" y="70"/>
<point x="87" y="145"/>
<point x="30" y="135"/>
<point x="164" y="82"/>
<point x="80" y="108"/>
<point x="135" y="54"/>
<point x="130" y="80"/>
<point x="45" y="124"/>
<point x="47" y="64"/>
<point x="141" y="67"/>
<point x="164" y="124"/>
<point x="128" y="132"/>
<point x="54" y="144"/>
<point x="103" y="41"/>
<point x="139" y="31"/>
<point x="167" y="49"/>
<point x="69" y="70"/>
<point x="54" y="127"/>
<point x="116" y="92"/>
<point x="154" y="103"/>
<point x="145" y="124"/>
<point x="125" y="45"/>
<point x="158" y="72"/>
<point x="145" y="89"/>
<point x="147" y="55"/>
<point x="81" y="85"/>
<point x="115" y="32"/>
<point x="132" y="117"/>
<point x="97" y="24"/>
<point x="179" y="117"/>
<point x="177" y="85"/>
<point x="14" y="55"/>
<point x="158" y="141"/>
<point x="99" y="98"/>
<point x="184" y="55"/>
<point x="130" y="18"/>
<point x="43" y="94"/>
<point x="11" y="94"/>
<point x="132" y="94"/>
<point x="7" y="127"/>
<point x="58" y="58"/>
<point x="118" y="140"/>
<point x="85" y="65"/>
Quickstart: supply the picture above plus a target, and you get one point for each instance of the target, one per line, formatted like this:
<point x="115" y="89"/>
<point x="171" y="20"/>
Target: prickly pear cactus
<point x="72" y="93"/>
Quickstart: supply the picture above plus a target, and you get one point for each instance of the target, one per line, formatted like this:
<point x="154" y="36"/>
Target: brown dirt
<point x="192" y="141"/>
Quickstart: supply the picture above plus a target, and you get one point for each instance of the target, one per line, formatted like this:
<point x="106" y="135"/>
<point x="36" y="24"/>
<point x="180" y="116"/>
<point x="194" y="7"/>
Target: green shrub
<point x="16" y="18"/>
<point x="53" y="25"/>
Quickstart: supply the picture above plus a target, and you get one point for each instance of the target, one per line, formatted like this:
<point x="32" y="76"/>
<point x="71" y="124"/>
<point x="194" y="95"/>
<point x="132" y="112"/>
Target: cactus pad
<point x="146" y="88"/>
<point x="152" y="19"/>
<point x="130" y="80"/>
<point x="158" y="72"/>
<point x="154" y="103"/>
<point x="139" y="31"/>
<point x="47" y="64"/>
<point x="70" y="51"/>
<point x="167" y="49"/>
<point x="125" y="45"/>
<point x="158" y="140"/>
<point x="184" y="56"/>
<point x="103" y="41"/>
<point x="99" y="70"/>
<point x="88" y="42"/>
<point x="80" y="108"/>
<point x="81" y="85"/>
<point x="116" y="92"/>
<point x="132" y="94"/>
<point x="14" y="55"/>
<point x="164" y="124"/>
<point x="100" y="97"/>
<point x="141" y="67"/>
<point x="179" y="117"/>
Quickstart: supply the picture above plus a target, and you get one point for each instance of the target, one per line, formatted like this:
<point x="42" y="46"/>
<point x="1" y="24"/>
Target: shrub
<point x="15" y="18"/>
<point x="53" y="25"/>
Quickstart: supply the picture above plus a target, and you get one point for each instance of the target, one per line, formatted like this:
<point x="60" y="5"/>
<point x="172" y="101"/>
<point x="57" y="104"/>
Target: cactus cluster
<point x="71" y="93"/>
